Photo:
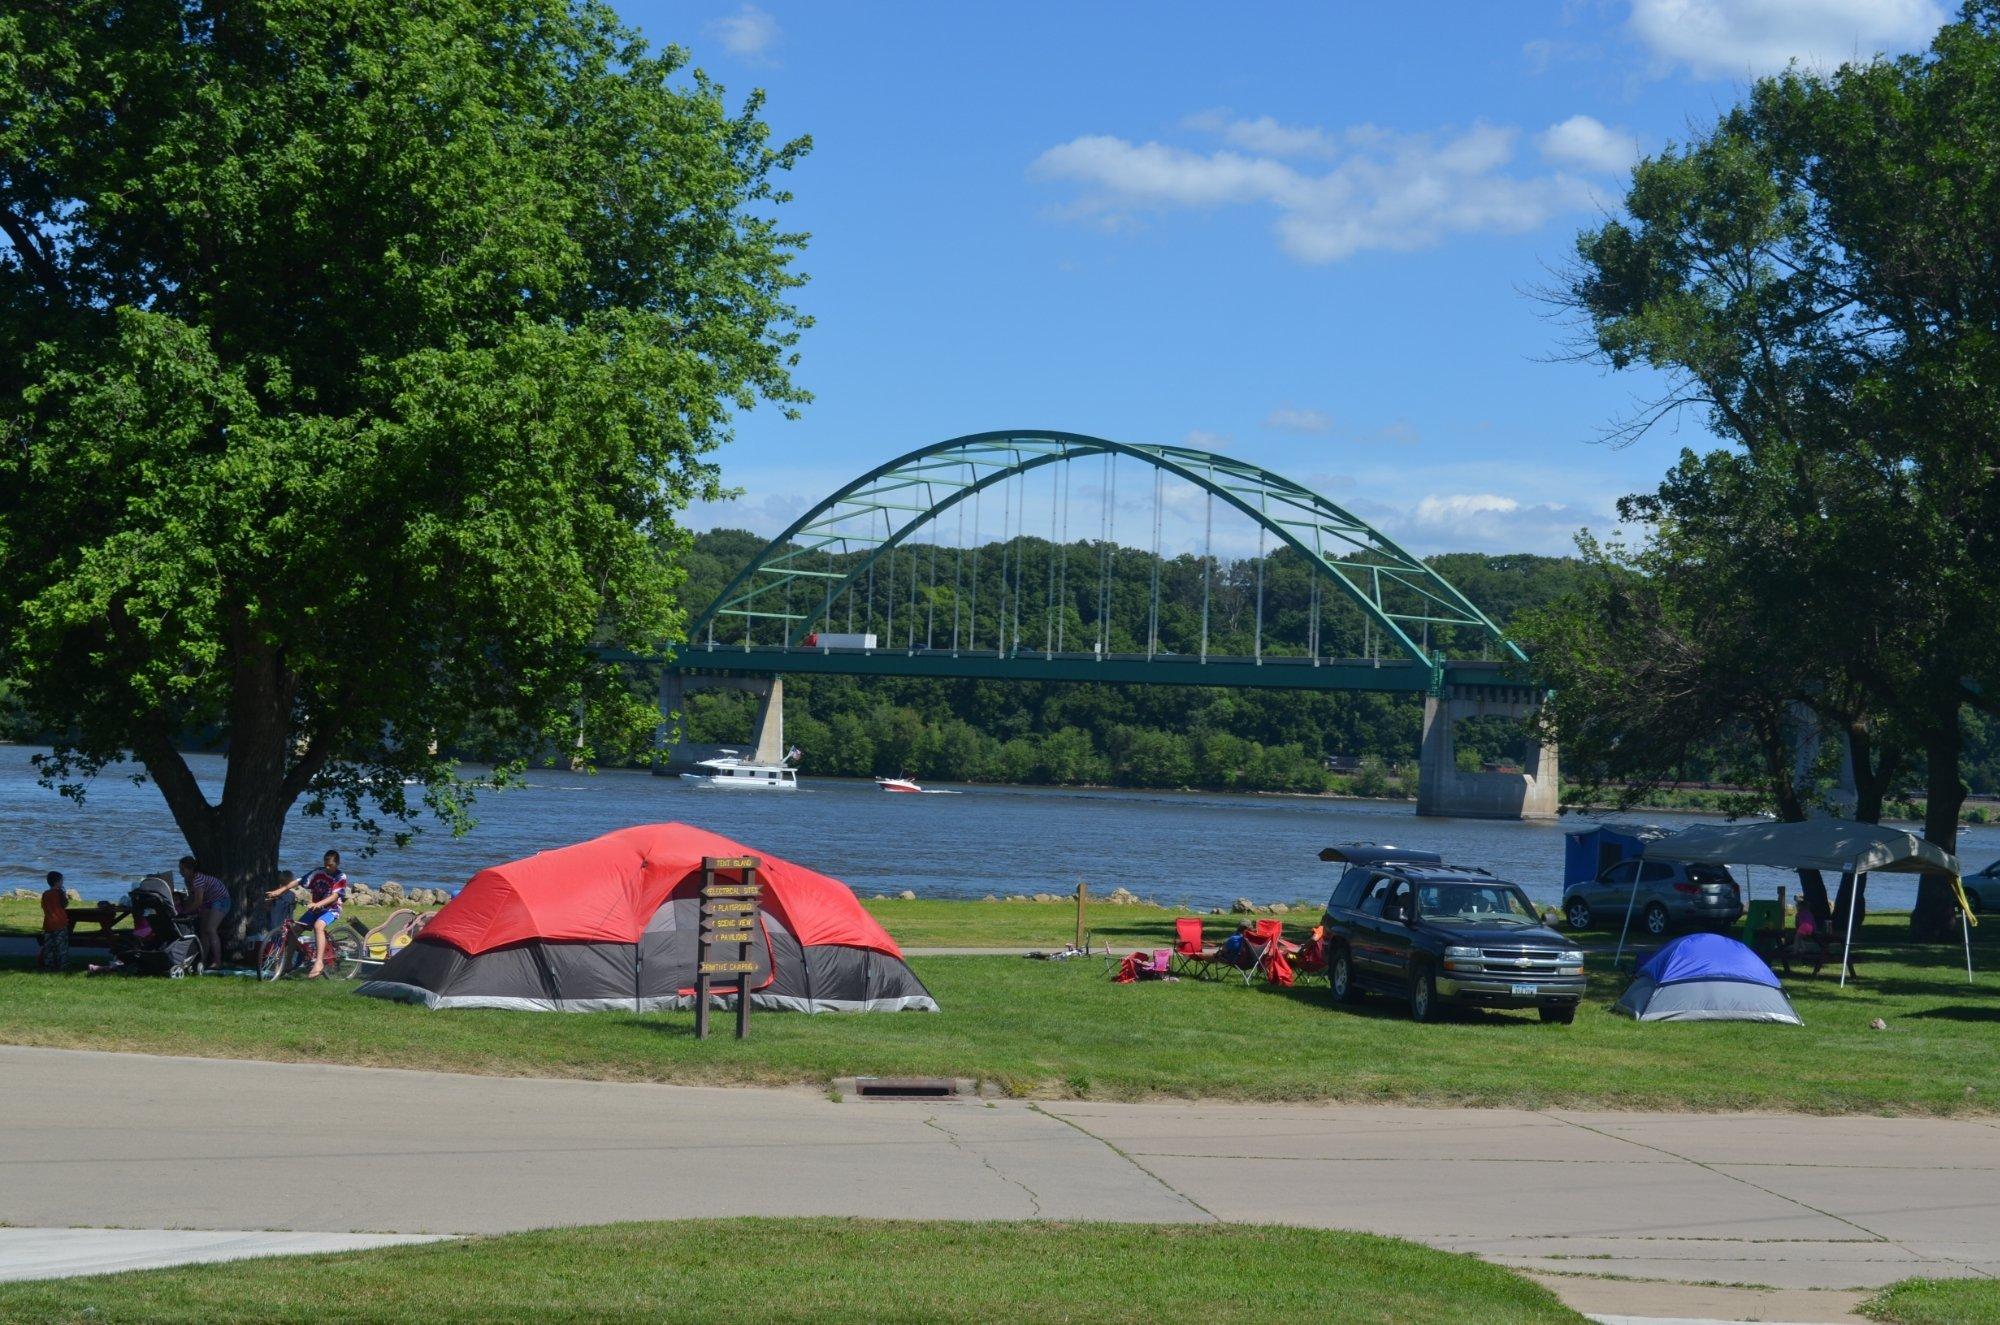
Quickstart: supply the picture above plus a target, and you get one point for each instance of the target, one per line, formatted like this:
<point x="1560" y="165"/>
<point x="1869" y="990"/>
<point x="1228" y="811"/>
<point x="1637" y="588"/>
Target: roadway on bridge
<point x="1785" y="1201"/>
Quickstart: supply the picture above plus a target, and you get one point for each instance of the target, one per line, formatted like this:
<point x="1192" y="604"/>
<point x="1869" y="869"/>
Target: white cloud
<point x="1201" y="439"/>
<point x="1263" y="135"/>
<point x="1463" y="506"/>
<point x="1380" y="189"/>
<point x="1738" y="38"/>
<point x="1588" y="144"/>
<point x="1287" y="419"/>
<point x="748" y="33"/>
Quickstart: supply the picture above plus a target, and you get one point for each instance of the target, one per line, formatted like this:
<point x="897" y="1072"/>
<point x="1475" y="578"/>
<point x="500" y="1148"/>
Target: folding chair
<point x="1192" y="956"/>
<point x="1267" y="937"/>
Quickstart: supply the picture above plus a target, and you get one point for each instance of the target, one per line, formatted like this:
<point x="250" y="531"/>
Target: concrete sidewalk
<point x="112" y="1139"/>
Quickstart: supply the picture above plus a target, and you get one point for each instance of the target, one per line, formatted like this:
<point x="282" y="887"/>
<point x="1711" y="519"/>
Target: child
<point x="52" y="952"/>
<point x="326" y="889"/>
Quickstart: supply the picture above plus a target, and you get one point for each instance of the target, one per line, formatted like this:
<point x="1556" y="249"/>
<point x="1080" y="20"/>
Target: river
<point x="1191" y="848"/>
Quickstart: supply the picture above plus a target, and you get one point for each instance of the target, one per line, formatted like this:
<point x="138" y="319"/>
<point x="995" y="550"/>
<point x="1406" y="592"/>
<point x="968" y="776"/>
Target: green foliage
<point x="357" y="360"/>
<point x="1801" y="272"/>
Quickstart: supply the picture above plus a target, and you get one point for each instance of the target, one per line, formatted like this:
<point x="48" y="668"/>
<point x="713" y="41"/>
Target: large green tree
<point x="355" y="359"/>
<point x="1816" y="274"/>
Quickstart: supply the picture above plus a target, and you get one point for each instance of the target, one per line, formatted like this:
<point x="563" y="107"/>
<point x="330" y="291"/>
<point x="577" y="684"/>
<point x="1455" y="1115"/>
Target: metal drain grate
<point x="906" y="1088"/>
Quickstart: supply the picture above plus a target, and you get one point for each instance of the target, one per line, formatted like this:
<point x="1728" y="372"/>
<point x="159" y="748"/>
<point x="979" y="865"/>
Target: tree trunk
<point x="1935" y="918"/>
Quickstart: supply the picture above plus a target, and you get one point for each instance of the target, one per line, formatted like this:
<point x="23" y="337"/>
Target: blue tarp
<point x="1588" y="852"/>
<point x="1707" y="957"/>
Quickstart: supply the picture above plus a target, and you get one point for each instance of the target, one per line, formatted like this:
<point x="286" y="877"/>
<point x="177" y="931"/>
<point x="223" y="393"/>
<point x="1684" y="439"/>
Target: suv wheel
<point x="1654" y="917"/>
<point x="1423" y="995"/>
<point x="1578" y="913"/>
<point x="1562" y="1014"/>
<point x="1340" y="977"/>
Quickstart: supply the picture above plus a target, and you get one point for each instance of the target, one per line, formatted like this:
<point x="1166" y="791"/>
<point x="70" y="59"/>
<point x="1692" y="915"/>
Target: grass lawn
<point x="815" y="1270"/>
<point x="1063" y="1030"/>
<point x="1937" y="1302"/>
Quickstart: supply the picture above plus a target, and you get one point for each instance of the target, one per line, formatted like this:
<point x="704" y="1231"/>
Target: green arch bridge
<point x="783" y="613"/>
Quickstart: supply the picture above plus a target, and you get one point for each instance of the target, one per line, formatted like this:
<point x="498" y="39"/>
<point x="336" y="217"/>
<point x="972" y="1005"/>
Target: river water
<point x="1179" y="847"/>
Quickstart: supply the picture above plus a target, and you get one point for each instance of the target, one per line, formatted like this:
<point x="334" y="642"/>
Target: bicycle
<point x="287" y="946"/>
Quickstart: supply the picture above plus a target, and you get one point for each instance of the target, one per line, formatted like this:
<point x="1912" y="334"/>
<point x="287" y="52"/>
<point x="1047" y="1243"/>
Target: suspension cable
<point x="930" y="604"/>
<point x="957" y="575"/>
<point x="972" y="585"/>
<point x="1153" y="614"/>
<point x="1257" y="644"/>
<point x="889" y="626"/>
<point x="1207" y="565"/>
<point x="1110" y="550"/>
<point x="1049" y="599"/>
<point x="1062" y="590"/>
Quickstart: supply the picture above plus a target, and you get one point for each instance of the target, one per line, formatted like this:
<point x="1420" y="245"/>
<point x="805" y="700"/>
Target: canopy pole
<point x="1631" y="900"/>
<point x="1964" y="923"/>
<point x="1847" y="944"/>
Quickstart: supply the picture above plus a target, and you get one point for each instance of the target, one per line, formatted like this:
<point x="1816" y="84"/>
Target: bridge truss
<point x="796" y="582"/>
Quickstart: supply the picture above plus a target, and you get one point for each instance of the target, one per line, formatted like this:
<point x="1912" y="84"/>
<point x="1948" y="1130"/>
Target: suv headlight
<point x="1569" y="963"/>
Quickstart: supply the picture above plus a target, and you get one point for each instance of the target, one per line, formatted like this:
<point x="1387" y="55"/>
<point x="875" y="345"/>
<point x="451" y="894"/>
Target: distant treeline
<point x="1139" y="736"/>
<point x="1143" y="736"/>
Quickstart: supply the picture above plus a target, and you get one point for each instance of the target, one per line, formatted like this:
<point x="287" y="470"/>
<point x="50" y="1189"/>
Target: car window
<point x="1654" y="872"/>
<point x="1398" y="905"/>
<point x="1378" y="889"/>
<point x="1349" y="890"/>
<point x="1709" y="874"/>
<point x="1476" y="904"/>
<point x="1622" y="872"/>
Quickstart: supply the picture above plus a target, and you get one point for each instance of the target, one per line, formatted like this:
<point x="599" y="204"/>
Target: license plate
<point x="1525" y="991"/>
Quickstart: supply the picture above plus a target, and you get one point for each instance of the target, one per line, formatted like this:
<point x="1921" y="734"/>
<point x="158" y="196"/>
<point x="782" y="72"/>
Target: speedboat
<point x="898" y="784"/>
<point x="730" y="769"/>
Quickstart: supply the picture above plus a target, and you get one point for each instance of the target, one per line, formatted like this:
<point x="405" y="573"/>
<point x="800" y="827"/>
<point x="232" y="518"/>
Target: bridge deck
<point x="1401" y="676"/>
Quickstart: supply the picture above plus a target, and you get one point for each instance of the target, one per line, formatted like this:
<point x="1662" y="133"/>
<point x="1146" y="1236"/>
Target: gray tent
<point x="1834" y="845"/>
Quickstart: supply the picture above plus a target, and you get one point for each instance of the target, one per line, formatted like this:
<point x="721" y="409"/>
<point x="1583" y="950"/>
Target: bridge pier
<point x="1445" y="791"/>
<point x="672" y="753"/>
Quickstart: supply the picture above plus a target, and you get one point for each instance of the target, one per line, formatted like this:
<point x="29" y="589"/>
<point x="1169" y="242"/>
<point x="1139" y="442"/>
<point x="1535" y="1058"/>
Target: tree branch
<point x="33" y="258"/>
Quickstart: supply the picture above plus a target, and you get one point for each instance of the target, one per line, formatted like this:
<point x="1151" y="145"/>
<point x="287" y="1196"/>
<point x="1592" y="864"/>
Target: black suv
<point x="1438" y="934"/>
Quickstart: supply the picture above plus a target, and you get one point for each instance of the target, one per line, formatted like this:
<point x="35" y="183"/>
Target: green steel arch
<point x="883" y="507"/>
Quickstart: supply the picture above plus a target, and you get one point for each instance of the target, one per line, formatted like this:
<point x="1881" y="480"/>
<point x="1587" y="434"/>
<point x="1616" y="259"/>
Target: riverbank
<point x="1063" y="1030"/>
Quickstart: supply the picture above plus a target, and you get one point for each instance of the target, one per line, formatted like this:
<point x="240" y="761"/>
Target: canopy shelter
<point x="613" y="924"/>
<point x="1834" y="845"/>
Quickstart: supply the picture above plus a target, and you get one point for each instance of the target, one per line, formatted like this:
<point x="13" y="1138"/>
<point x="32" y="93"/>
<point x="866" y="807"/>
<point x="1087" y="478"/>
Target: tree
<point x="357" y="359"/>
<point x="1806" y="274"/>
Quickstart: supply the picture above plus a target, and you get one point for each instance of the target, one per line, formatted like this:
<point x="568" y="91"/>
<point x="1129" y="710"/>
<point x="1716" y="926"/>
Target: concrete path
<point x="1783" y="1202"/>
<point x="52" y="1253"/>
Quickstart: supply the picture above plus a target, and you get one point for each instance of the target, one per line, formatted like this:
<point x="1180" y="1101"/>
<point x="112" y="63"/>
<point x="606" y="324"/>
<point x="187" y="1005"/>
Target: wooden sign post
<point x="729" y="909"/>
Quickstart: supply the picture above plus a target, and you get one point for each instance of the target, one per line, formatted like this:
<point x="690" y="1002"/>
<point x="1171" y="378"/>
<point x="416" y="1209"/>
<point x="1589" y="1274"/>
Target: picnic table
<point x="104" y="915"/>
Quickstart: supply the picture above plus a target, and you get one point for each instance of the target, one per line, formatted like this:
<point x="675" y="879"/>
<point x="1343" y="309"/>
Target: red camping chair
<point x="1310" y="964"/>
<point x="1271" y="951"/>
<point x="1192" y="955"/>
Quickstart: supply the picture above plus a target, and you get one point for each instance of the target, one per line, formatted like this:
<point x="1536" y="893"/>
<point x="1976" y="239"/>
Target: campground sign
<point x="731" y="896"/>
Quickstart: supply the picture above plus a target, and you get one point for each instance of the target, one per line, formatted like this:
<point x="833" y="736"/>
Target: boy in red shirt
<point x="53" y="950"/>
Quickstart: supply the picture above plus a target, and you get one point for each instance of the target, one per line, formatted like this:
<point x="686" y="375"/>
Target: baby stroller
<point x="163" y="942"/>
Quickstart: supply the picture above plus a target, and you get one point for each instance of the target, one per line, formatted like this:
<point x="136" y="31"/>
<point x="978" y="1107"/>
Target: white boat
<point x="730" y="769"/>
<point x="898" y="784"/>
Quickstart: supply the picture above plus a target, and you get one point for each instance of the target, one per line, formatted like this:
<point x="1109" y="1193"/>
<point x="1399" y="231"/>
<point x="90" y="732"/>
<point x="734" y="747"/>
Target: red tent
<point x="611" y="923"/>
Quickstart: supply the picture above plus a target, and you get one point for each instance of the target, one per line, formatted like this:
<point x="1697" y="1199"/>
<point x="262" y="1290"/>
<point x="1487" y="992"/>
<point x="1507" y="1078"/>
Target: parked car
<point x="1982" y="890"/>
<point x="1671" y="893"/>
<point x="1437" y="934"/>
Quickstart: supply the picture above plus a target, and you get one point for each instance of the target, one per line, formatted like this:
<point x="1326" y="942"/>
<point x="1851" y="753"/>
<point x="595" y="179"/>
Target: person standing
<point x="52" y="950"/>
<point x="208" y="899"/>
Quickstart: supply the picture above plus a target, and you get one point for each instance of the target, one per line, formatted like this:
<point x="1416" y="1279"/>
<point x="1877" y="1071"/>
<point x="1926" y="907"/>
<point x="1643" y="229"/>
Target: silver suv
<point x="1670" y="893"/>
<point x="1982" y="890"/>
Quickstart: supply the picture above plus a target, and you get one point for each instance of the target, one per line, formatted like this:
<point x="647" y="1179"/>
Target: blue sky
<point x="1302" y="233"/>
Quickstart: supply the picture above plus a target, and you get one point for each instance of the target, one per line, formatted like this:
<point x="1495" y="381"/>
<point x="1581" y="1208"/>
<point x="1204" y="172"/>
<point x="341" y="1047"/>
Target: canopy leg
<point x="1853" y="898"/>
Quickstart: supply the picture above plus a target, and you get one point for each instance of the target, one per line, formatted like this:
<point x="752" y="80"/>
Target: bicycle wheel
<point x="343" y="958"/>
<point x="271" y="958"/>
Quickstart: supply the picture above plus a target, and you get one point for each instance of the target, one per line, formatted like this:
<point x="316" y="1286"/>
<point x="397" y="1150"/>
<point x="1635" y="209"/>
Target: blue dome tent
<point x="1706" y="977"/>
